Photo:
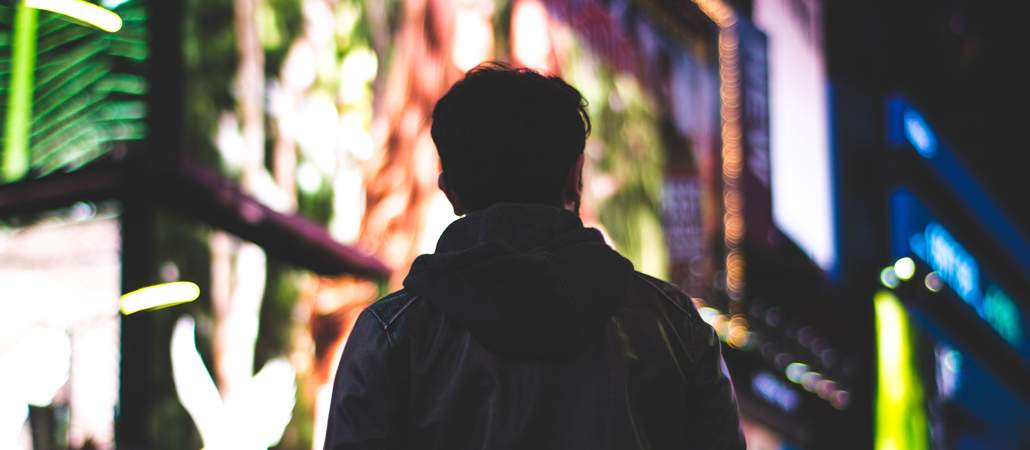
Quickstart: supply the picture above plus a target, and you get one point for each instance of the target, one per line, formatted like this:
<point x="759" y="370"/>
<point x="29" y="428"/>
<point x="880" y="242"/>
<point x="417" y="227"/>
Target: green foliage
<point x="631" y="152"/>
<point x="316" y="206"/>
<point x="88" y="93"/>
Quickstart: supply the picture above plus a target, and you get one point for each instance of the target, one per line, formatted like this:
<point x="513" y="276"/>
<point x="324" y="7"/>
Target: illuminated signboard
<point x="771" y="389"/>
<point x="909" y="130"/>
<point x="915" y="231"/>
<point x="802" y="205"/>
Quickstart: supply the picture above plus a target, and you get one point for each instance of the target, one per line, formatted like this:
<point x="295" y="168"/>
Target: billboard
<point x="800" y="160"/>
<point x="915" y="231"/>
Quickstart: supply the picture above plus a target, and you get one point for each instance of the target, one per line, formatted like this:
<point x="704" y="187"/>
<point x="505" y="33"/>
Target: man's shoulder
<point x="669" y="293"/>
<point x="697" y="336"/>
<point x="389" y="309"/>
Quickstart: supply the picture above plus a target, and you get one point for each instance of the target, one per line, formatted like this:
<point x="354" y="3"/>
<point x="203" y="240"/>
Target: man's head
<point x="510" y="135"/>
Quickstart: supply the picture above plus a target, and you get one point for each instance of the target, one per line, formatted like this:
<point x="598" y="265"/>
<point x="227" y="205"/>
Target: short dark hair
<point x="509" y="135"/>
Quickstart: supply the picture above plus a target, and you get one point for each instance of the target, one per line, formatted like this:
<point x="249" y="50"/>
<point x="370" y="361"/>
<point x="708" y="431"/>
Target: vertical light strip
<point x="732" y="160"/>
<point x="15" y="163"/>
<point x="732" y="152"/>
<point x="900" y="416"/>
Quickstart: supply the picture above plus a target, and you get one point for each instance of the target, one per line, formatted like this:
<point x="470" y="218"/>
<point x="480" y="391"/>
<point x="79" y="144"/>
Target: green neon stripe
<point x="900" y="413"/>
<point x="15" y="163"/>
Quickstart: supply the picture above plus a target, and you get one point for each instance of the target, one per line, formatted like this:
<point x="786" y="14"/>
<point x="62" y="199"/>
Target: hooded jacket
<point x="524" y="330"/>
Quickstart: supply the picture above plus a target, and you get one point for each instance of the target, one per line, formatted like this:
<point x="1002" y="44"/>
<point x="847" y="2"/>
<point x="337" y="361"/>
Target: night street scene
<point x="514" y="224"/>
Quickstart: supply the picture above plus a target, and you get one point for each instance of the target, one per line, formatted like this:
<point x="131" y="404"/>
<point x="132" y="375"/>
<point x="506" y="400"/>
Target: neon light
<point x="15" y="162"/>
<point x="900" y="418"/>
<point x="90" y="13"/>
<point x="949" y="368"/>
<point x="159" y="296"/>
<point x="888" y="278"/>
<point x="774" y="391"/>
<point x="905" y="268"/>
<point x="919" y="135"/>
<point x="953" y="263"/>
<point x="795" y="371"/>
<point x="1002" y="314"/>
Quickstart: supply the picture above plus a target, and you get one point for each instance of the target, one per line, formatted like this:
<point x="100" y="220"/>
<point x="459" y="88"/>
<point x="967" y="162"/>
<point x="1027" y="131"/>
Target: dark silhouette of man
<point x="524" y="330"/>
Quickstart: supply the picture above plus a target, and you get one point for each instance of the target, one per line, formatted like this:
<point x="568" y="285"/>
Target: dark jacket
<point x="525" y="331"/>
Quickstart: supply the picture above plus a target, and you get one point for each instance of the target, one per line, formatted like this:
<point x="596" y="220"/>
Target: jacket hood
<point x="526" y="280"/>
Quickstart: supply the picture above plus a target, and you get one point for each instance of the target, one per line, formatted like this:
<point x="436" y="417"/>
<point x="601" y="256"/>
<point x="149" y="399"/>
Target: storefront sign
<point x="917" y="232"/>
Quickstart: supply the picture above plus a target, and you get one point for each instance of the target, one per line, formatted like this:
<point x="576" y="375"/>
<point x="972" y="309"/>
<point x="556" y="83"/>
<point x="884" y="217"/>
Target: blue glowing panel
<point x="776" y="392"/>
<point x="915" y="231"/>
<point x="908" y="130"/>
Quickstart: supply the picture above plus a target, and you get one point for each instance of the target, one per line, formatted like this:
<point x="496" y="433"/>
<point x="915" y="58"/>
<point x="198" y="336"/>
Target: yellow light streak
<point x="159" y="296"/>
<point x="87" y="12"/>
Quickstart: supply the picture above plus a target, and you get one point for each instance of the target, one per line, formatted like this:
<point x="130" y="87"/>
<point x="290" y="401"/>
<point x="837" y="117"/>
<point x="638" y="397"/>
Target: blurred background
<point x="837" y="184"/>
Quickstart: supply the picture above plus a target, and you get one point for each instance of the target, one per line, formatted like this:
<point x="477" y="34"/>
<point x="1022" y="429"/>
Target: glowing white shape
<point x="43" y="358"/>
<point x="801" y="168"/>
<point x="357" y="70"/>
<point x="473" y="38"/>
<point x="87" y="12"/>
<point x="37" y="366"/>
<point x="905" y="268"/>
<point x="532" y="46"/>
<point x="159" y="296"/>
<point x="254" y="415"/>
<point x="308" y="177"/>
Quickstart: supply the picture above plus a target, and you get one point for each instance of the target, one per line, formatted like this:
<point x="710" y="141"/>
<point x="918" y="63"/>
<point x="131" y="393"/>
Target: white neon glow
<point x="159" y="296"/>
<point x="799" y="126"/>
<point x="905" y="268"/>
<point x="87" y="12"/>
<point x="253" y="416"/>
<point x="919" y="135"/>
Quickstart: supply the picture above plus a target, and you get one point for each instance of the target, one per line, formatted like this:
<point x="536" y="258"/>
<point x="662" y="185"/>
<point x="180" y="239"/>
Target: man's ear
<point x="459" y="209"/>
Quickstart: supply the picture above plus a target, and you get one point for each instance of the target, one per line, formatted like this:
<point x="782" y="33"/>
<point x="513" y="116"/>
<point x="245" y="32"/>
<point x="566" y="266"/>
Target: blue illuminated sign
<point x="956" y="267"/>
<point x="774" y="391"/>
<point x="908" y="130"/>
<point x="916" y="231"/>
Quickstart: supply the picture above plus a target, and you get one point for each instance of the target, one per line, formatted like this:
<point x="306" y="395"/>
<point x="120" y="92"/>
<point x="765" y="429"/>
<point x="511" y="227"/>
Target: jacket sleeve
<point x="365" y="409"/>
<point x="717" y="423"/>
